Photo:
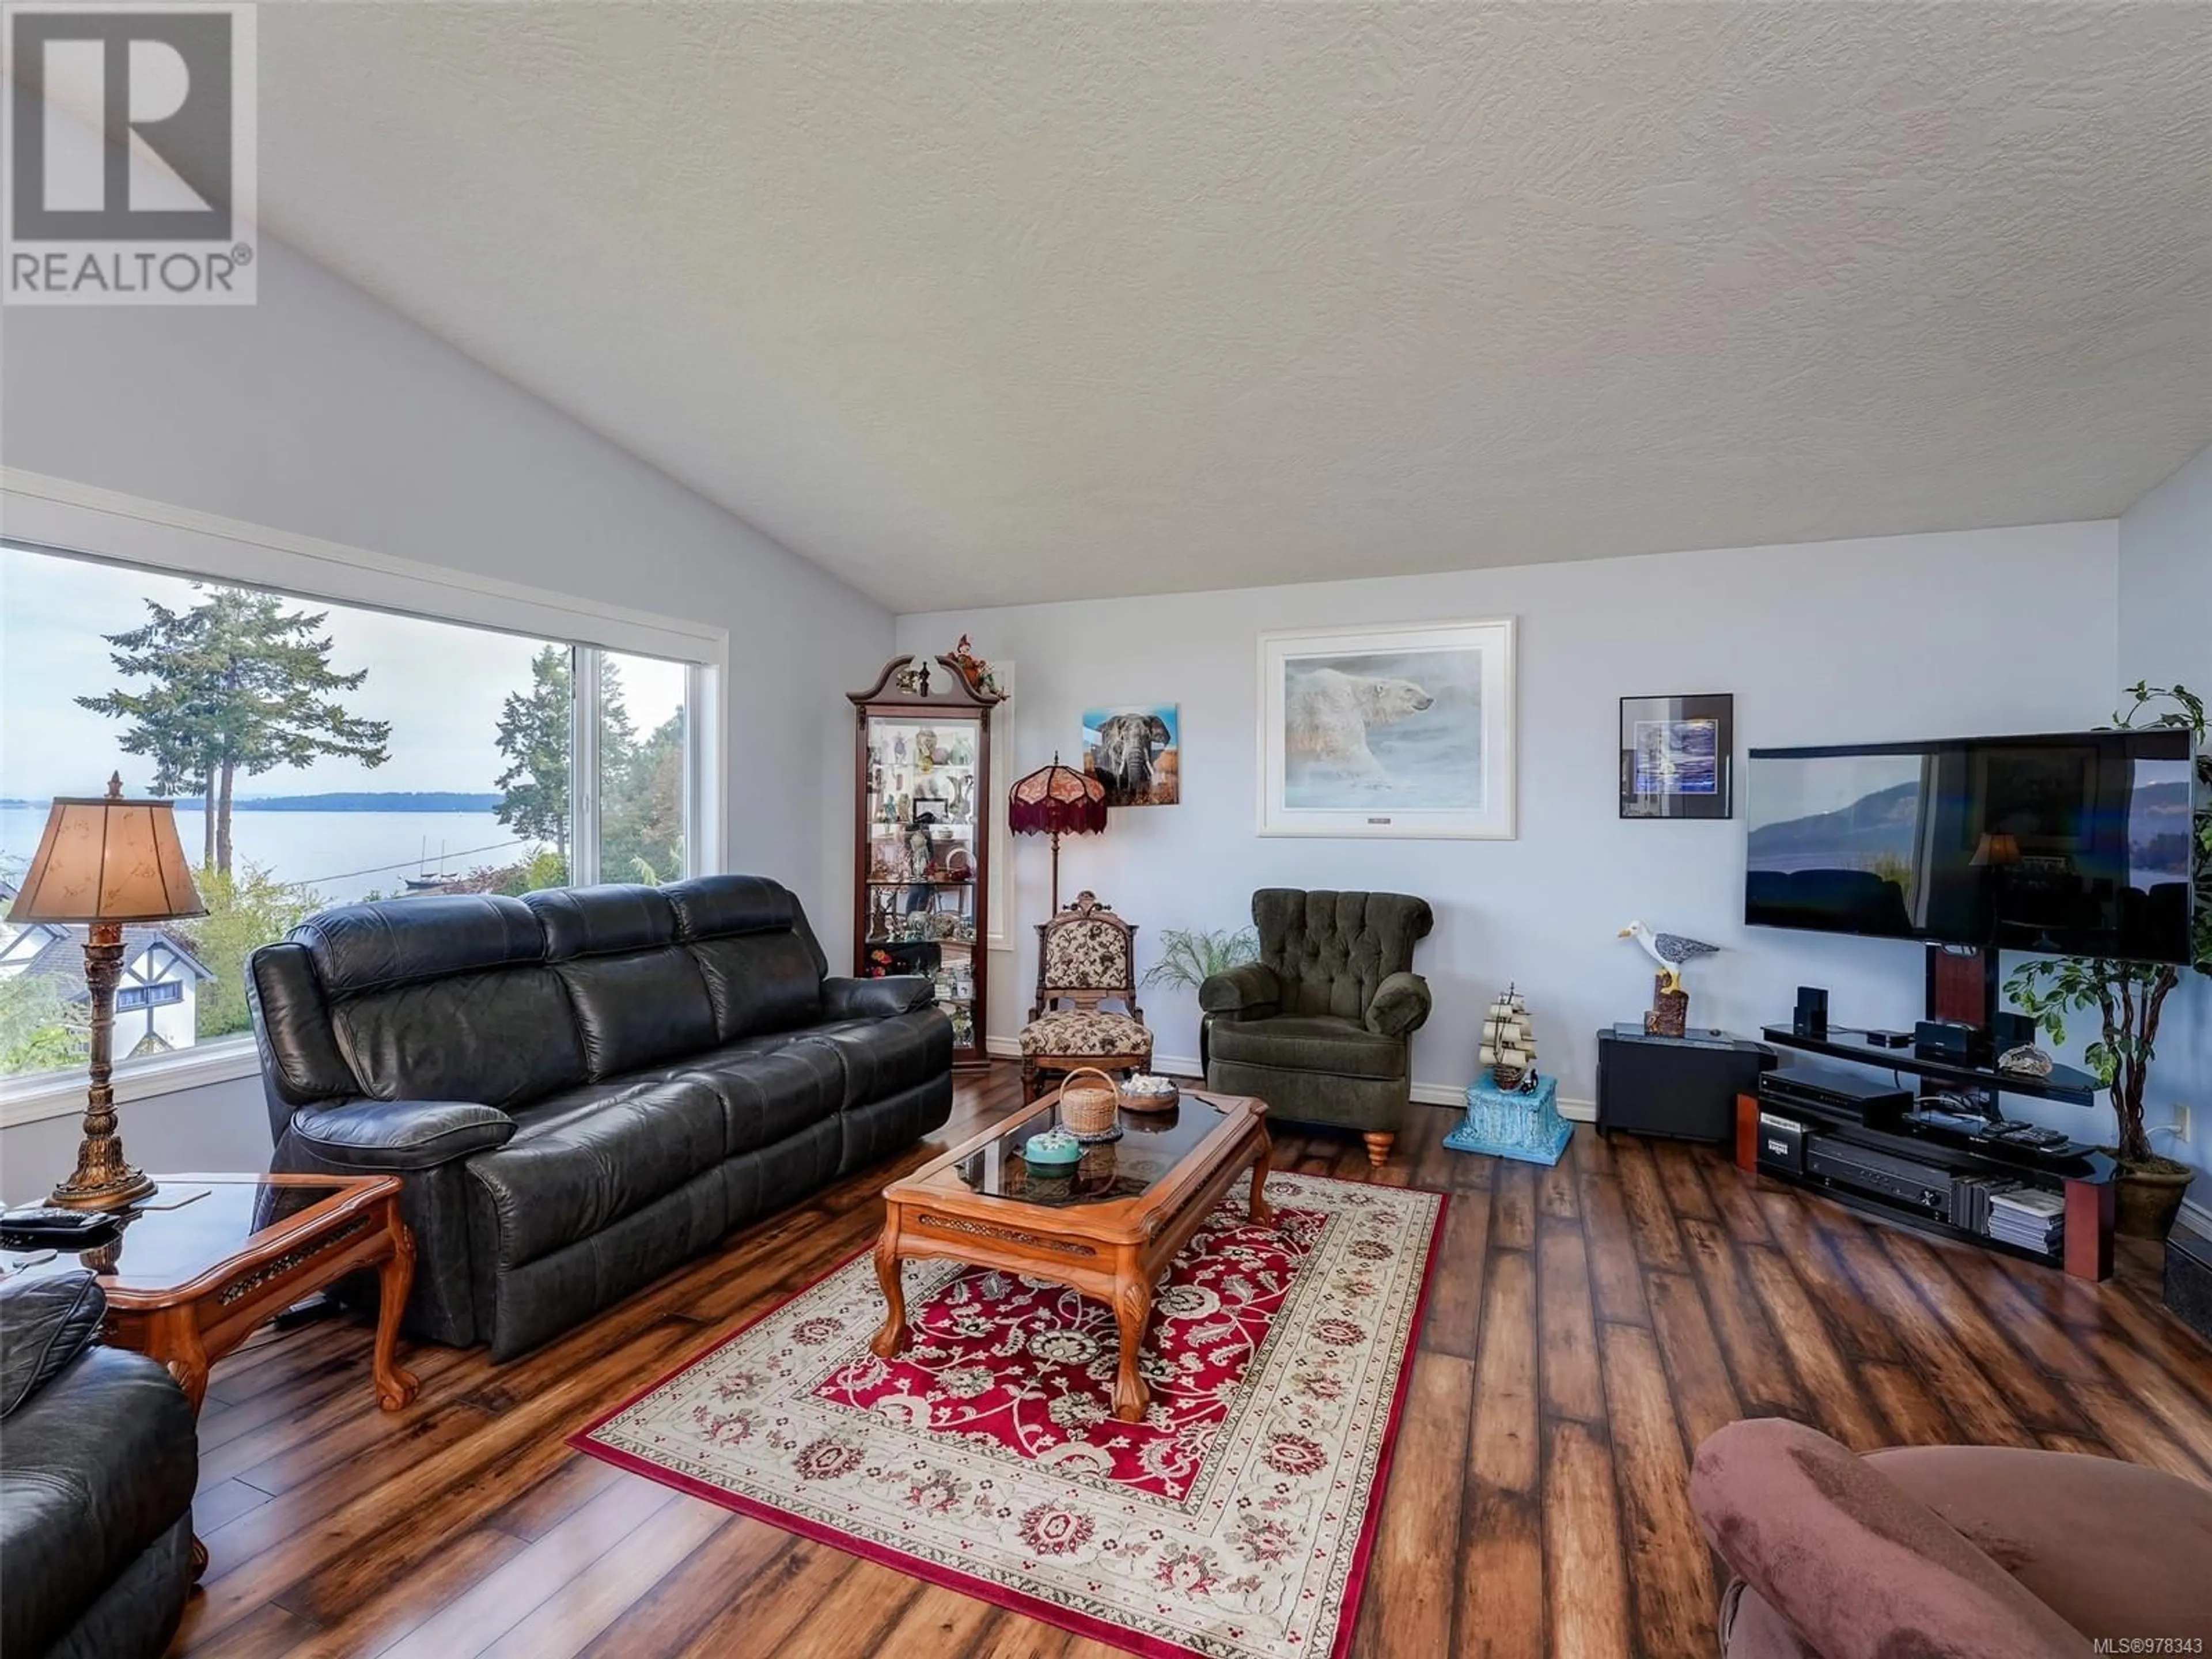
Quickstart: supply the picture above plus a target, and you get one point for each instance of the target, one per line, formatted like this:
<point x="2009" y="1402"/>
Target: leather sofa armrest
<point x="394" y="1136"/>
<point x="44" y="1323"/>
<point x="1401" y="1007"/>
<point x="876" y="998"/>
<point x="1249" y="991"/>
<point x="1856" y="1565"/>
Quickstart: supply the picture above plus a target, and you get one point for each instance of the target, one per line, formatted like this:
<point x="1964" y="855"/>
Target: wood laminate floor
<point x="1588" y="1325"/>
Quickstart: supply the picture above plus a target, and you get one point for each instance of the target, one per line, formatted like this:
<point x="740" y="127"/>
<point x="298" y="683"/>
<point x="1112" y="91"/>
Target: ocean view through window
<point x="319" y="754"/>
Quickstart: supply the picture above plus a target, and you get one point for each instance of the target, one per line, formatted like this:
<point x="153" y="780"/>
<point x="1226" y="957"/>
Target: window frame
<point x="73" y="521"/>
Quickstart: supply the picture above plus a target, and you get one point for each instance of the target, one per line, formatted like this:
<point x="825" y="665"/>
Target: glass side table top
<point x="1153" y="1144"/>
<point x="158" y="1248"/>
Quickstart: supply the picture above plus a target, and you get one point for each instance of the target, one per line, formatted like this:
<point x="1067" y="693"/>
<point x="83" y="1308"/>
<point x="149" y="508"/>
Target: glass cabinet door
<point x="925" y="855"/>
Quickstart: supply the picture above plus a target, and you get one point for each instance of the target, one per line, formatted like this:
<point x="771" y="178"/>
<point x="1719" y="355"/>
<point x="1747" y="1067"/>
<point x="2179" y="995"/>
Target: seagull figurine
<point x="1670" y="950"/>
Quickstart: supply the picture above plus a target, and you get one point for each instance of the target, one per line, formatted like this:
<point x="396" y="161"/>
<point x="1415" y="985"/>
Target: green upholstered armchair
<point x="1321" y="1027"/>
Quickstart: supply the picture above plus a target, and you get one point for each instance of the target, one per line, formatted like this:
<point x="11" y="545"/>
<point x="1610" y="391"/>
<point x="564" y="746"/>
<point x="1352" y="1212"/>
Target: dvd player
<point x="1826" y="1088"/>
<point x="1882" y="1175"/>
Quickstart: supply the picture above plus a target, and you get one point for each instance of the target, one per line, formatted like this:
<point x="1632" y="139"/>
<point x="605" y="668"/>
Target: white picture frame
<point x="1423" y="753"/>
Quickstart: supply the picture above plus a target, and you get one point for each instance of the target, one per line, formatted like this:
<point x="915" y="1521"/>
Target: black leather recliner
<point x="585" y="1086"/>
<point x="97" y="1461"/>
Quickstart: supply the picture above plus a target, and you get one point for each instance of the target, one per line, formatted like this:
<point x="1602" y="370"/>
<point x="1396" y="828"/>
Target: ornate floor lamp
<point x="1056" y="800"/>
<point x="104" y="861"/>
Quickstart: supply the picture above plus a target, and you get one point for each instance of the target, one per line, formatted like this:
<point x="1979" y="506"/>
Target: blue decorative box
<point x="1505" y="1123"/>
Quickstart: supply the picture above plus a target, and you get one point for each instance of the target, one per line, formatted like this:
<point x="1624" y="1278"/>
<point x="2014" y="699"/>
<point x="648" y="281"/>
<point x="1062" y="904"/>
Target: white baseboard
<point x="1428" y="1094"/>
<point x="2198" y="1214"/>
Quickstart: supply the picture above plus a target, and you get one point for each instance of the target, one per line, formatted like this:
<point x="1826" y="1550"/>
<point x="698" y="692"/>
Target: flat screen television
<point x="2077" y="843"/>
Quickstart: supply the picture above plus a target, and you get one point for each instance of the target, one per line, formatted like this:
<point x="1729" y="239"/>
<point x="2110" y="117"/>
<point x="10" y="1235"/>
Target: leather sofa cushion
<point x="44" y="1323"/>
<point x="1317" y="1043"/>
<point x="292" y="1026"/>
<point x="759" y="982"/>
<point x="882" y="1057"/>
<point x="368" y="947"/>
<point x="498" y="1038"/>
<point x="767" y="1097"/>
<point x="577" y="1165"/>
<point x="642" y="1006"/>
<point x="95" y="1466"/>
<point x="592" y="921"/>
<point x="719" y="907"/>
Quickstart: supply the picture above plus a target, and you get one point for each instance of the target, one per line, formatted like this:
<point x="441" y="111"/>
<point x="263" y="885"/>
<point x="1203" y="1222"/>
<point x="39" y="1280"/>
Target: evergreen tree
<point x="238" y="685"/>
<point x="534" y="736"/>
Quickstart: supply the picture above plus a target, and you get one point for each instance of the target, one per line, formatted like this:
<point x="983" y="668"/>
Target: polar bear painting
<point x="1405" y="728"/>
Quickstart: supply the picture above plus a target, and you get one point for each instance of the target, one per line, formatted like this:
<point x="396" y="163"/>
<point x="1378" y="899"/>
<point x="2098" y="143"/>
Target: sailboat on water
<point x="423" y="881"/>
<point x="1509" y="1043"/>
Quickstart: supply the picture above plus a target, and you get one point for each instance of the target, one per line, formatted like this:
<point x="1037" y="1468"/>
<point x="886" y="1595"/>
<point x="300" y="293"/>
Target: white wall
<point x="2165" y="636"/>
<point x="1858" y="641"/>
<point x="320" y="411"/>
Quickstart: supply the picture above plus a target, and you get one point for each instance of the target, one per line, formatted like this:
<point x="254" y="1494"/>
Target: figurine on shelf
<point x="1669" y="1014"/>
<point x="913" y="680"/>
<point x="974" y="670"/>
<point x="963" y="807"/>
<point x="925" y="749"/>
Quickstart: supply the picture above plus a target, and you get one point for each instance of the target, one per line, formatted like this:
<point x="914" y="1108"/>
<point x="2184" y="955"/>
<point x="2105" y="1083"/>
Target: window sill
<point x="61" y="1094"/>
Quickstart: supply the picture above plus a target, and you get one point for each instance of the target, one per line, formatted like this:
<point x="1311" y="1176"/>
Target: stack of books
<point x="2030" y="1216"/>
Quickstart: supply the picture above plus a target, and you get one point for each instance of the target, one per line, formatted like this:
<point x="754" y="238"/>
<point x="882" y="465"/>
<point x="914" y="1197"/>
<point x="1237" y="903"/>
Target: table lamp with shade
<point x="1056" y="800"/>
<point x="104" y="861"/>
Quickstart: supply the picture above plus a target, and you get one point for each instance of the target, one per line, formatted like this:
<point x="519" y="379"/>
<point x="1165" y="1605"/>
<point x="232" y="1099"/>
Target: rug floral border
<point x="1378" y="1451"/>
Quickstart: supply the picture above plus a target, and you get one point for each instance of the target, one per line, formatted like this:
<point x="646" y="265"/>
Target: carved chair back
<point x="1086" y="955"/>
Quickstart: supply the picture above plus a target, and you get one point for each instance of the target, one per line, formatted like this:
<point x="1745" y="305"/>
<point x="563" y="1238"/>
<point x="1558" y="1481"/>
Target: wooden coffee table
<point x="1107" y="1230"/>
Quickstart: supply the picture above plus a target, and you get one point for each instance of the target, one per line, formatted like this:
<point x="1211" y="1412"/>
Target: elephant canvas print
<point x="1403" y="731"/>
<point x="1136" y="751"/>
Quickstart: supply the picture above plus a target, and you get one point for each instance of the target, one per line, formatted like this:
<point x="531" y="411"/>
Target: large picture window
<point x="319" y="754"/>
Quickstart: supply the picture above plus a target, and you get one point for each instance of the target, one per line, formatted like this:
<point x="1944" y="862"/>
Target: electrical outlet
<point x="2182" y="1128"/>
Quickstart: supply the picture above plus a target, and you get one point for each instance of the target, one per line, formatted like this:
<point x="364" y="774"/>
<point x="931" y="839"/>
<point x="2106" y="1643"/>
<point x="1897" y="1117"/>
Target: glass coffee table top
<point x="157" y="1249"/>
<point x="1151" y="1146"/>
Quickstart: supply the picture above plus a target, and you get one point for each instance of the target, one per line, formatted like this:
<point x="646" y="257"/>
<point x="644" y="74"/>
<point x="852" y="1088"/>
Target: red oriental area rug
<point x="1234" y="1520"/>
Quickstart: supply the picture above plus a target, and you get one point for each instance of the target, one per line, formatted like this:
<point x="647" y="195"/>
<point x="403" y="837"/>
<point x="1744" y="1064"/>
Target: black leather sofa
<point x="584" y="1086"/>
<point x="97" y="1461"/>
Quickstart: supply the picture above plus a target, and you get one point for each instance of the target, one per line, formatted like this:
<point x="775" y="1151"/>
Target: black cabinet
<point x="1681" y="1087"/>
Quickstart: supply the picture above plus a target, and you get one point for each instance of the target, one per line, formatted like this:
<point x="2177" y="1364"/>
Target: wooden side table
<point x="210" y="1259"/>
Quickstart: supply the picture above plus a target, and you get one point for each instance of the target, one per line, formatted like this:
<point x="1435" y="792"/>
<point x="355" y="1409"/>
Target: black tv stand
<point x="2066" y="1084"/>
<point x="1955" y="983"/>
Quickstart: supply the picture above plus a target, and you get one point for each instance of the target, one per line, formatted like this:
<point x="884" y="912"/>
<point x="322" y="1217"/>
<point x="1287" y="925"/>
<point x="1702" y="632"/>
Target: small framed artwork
<point x="1392" y="731"/>
<point x="1135" y="749"/>
<point x="1677" y="756"/>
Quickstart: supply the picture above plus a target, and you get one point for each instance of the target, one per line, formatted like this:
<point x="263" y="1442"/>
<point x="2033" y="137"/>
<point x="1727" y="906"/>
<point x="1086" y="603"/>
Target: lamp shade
<point x="106" y="859"/>
<point x="1057" y="800"/>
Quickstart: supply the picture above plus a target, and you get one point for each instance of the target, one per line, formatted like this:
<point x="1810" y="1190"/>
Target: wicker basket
<point x="1090" y="1104"/>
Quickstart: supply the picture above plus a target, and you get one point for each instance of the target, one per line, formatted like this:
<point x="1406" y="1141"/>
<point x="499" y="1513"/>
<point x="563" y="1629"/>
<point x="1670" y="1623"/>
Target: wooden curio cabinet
<point x="923" y="840"/>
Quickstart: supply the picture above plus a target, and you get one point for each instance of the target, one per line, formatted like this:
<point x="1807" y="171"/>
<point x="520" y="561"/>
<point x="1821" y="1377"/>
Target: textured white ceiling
<point x="988" y="304"/>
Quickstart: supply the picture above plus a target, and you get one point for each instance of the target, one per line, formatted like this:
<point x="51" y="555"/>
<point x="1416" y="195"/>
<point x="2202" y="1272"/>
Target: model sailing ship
<point x="1509" y="1045"/>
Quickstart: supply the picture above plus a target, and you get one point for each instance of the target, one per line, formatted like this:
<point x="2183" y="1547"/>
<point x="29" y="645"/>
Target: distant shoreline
<point x="351" y="801"/>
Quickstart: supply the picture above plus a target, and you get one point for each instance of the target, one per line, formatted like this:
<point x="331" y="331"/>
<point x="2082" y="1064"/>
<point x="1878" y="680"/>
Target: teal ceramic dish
<point x="1053" y="1149"/>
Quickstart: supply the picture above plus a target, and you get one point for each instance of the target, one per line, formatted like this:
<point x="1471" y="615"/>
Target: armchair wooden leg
<point x="1029" y="1080"/>
<point x="1378" y="1149"/>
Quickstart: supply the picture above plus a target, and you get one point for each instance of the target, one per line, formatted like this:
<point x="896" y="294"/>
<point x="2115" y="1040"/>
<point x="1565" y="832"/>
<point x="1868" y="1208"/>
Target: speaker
<point x="1811" y="1019"/>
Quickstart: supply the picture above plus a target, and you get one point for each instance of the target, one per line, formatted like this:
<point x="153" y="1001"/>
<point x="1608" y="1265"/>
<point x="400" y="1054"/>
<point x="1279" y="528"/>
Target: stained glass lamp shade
<point x="1056" y="800"/>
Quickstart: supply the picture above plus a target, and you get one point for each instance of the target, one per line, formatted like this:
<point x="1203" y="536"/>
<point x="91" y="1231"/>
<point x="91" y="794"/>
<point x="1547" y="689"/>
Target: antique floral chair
<point x="1086" y="955"/>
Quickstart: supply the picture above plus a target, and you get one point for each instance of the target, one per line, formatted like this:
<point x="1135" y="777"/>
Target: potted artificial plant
<point x="2129" y="997"/>
<point x="1189" y="957"/>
